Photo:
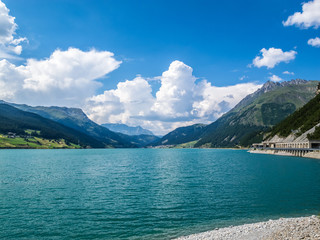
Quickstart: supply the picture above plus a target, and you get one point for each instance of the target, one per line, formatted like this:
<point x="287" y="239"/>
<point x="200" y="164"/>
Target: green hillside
<point x="182" y="135"/>
<point x="301" y="121"/>
<point x="141" y="140"/>
<point x="257" y="113"/>
<point x="76" y="119"/>
<point x="20" y="123"/>
<point x="34" y="143"/>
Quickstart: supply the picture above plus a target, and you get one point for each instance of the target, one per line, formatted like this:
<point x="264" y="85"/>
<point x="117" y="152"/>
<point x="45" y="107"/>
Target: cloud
<point x="175" y="96"/>
<point x="129" y="99"/>
<point x="309" y="17"/>
<point x="215" y="101"/>
<point x="11" y="80"/>
<point x="9" y="45"/>
<point x="314" y="42"/>
<point x="288" y="73"/>
<point x="275" y="78"/>
<point x="70" y="78"/>
<point x="180" y="101"/>
<point x="66" y="78"/>
<point x="273" y="56"/>
<point x="243" y="77"/>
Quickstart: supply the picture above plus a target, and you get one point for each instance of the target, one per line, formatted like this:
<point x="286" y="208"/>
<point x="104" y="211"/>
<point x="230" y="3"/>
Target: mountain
<point x="250" y="118"/>
<point x="136" y="135"/>
<point x="76" y="119"/>
<point x="15" y="121"/>
<point x="303" y="124"/>
<point x="141" y="140"/>
<point x="257" y="113"/>
<point x="182" y="135"/>
<point x="125" y="129"/>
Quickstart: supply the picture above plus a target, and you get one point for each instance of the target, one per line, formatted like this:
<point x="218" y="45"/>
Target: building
<point x="313" y="144"/>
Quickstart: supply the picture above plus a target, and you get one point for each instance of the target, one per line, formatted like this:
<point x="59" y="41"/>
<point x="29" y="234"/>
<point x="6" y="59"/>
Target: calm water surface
<point x="148" y="193"/>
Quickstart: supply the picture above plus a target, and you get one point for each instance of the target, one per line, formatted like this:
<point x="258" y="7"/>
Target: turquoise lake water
<point x="148" y="193"/>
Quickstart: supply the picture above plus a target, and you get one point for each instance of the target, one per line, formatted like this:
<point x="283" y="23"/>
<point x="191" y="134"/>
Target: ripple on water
<point x="148" y="193"/>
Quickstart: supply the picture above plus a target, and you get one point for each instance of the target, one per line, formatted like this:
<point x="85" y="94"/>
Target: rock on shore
<point x="281" y="229"/>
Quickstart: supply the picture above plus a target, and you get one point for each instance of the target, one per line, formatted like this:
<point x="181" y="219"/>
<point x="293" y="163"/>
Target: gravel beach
<point x="281" y="229"/>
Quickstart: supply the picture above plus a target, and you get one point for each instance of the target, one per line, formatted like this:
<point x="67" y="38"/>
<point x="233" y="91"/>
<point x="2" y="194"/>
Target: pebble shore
<point x="306" y="228"/>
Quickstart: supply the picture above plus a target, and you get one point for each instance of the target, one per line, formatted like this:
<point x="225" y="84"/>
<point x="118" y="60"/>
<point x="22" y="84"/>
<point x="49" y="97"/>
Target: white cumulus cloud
<point x="70" y="78"/>
<point x="215" y="101"/>
<point x="314" y="42"/>
<point x="131" y="99"/>
<point x="275" y="78"/>
<point x="273" y="56"/>
<point x="11" y="80"/>
<point x="309" y="17"/>
<point x="9" y="45"/>
<point x="180" y="101"/>
<point x="288" y="73"/>
<point x="176" y="94"/>
<point x="66" y="78"/>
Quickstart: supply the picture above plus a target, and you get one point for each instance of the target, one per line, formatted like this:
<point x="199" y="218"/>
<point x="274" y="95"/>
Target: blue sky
<point x="217" y="39"/>
<point x="214" y="37"/>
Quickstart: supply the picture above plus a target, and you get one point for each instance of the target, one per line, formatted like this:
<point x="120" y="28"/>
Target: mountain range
<point x="250" y="118"/>
<point x="257" y="113"/>
<point x="125" y="129"/>
<point x="246" y="123"/>
<point x="182" y="135"/>
<point x="18" y="122"/>
<point x="77" y="120"/>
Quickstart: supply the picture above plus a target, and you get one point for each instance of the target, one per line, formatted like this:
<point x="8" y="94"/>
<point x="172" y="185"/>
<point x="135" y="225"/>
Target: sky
<point x="157" y="64"/>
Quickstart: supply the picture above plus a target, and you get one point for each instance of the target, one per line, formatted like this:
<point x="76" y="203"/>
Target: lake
<point x="148" y="193"/>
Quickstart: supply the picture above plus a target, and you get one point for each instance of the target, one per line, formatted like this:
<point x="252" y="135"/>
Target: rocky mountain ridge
<point x="125" y="129"/>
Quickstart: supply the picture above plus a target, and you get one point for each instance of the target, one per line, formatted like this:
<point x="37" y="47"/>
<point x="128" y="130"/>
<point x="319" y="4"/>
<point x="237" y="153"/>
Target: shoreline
<point x="280" y="229"/>
<point x="315" y="155"/>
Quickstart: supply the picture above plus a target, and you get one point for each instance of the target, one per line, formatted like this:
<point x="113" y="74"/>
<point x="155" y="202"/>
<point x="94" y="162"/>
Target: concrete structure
<point x="292" y="148"/>
<point x="313" y="144"/>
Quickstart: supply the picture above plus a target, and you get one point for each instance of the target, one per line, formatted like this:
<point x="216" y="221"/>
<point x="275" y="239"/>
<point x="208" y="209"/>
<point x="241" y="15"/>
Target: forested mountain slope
<point x="75" y="118"/>
<point x="258" y="112"/>
<point x="18" y="122"/>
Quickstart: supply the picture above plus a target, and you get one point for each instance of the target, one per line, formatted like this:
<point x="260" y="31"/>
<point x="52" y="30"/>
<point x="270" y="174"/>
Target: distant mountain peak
<point x="125" y="129"/>
<point x="268" y="86"/>
<point x="296" y="81"/>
